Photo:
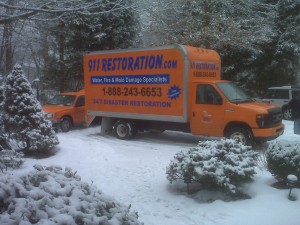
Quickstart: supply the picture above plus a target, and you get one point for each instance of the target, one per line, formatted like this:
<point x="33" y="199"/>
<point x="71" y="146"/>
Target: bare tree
<point x="36" y="9"/>
<point x="14" y="13"/>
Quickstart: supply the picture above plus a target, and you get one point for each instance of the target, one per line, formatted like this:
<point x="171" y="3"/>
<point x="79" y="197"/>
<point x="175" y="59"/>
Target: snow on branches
<point x="10" y="158"/>
<point x="24" y="119"/>
<point x="223" y="165"/>
<point x="283" y="159"/>
<point x="51" y="195"/>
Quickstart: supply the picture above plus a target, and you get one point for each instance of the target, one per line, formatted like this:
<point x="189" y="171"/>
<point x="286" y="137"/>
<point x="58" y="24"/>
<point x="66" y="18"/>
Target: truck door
<point x="79" y="110"/>
<point x="207" y="111"/>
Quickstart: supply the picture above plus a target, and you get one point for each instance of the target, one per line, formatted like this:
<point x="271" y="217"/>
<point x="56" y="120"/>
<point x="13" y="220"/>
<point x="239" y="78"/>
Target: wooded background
<point x="258" y="40"/>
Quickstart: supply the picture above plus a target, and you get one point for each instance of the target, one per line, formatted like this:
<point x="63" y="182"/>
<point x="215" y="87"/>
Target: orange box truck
<point x="173" y="87"/>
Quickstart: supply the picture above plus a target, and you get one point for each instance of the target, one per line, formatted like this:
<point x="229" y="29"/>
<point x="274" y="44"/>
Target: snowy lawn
<point x="134" y="173"/>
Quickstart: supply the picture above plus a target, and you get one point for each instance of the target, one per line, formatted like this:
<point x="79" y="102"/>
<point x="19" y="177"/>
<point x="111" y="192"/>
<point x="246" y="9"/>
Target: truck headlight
<point x="50" y="115"/>
<point x="262" y="120"/>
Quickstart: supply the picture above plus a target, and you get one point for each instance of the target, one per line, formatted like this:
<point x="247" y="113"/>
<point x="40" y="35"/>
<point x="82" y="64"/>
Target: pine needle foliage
<point x="283" y="159"/>
<point x="53" y="196"/>
<point x="217" y="165"/>
<point x="24" y="119"/>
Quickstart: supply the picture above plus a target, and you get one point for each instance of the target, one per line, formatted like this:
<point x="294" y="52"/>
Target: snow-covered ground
<point x="134" y="173"/>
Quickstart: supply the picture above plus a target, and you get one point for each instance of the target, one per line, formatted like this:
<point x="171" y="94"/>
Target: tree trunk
<point x="7" y="36"/>
<point x="61" y="45"/>
<point x="8" y="47"/>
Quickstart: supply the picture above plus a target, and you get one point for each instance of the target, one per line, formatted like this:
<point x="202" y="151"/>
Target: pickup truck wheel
<point x="287" y="114"/>
<point x="65" y="124"/>
<point x="240" y="134"/>
<point x="124" y="130"/>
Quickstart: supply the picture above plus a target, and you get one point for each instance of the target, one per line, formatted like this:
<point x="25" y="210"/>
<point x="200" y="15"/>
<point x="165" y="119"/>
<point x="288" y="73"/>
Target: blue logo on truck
<point x="174" y="92"/>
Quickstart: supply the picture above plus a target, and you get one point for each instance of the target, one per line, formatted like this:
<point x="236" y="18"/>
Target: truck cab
<point x="66" y="110"/>
<point x="221" y="108"/>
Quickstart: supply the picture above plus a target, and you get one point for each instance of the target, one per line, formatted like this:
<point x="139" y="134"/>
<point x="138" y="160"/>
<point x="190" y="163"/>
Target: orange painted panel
<point x="204" y="64"/>
<point x="145" y="82"/>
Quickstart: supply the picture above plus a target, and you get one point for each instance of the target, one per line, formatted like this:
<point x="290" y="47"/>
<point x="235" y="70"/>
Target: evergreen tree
<point x="287" y="53"/>
<point x="278" y="61"/>
<point x="66" y="40"/>
<point x="2" y="134"/>
<point x="236" y="29"/>
<point x="24" y="118"/>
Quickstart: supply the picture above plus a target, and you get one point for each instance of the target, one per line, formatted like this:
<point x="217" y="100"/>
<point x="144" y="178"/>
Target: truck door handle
<point x="194" y="114"/>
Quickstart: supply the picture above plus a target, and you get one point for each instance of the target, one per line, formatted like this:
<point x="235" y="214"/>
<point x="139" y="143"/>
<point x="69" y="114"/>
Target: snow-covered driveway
<point x="134" y="172"/>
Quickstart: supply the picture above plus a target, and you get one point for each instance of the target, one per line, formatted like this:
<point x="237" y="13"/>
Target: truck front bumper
<point x="268" y="134"/>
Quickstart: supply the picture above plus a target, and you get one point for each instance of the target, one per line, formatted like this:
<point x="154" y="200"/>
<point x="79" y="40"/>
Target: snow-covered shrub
<point x="283" y="159"/>
<point x="222" y="165"/>
<point x="53" y="196"/>
<point x="10" y="158"/>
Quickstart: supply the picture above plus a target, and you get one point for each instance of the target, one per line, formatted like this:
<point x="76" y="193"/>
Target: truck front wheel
<point x="240" y="134"/>
<point x="124" y="130"/>
<point x="65" y="124"/>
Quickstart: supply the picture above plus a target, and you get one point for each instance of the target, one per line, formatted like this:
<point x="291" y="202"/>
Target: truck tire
<point x="287" y="113"/>
<point x="65" y="124"/>
<point x="124" y="130"/>
<point x="240" y="134"/>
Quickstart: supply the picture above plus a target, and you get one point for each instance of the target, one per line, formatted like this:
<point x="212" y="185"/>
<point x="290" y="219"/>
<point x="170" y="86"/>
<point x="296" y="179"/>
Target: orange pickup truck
<point x="66" y="110"/>
<point x="174" y="87"/>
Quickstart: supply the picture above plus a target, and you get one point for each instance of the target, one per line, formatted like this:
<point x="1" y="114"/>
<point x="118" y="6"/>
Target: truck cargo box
<point x="149" y="83"/>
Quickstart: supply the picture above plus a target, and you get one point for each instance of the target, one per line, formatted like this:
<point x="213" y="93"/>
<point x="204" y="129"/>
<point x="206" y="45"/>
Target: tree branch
<point x="23" y="16"/>
<point x="26" y="12"/>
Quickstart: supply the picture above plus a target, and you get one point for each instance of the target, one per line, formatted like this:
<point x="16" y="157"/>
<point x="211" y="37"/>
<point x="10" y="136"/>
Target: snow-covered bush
<point x="10" y="158"/>
<point x="283" y="159"/>
<point x="53" y="196"/>
<point x="222" y="165"/>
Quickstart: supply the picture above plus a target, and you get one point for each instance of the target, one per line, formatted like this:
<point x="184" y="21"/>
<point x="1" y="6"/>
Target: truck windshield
<point x="66" y="100"/>
<point x="233" y="93"/>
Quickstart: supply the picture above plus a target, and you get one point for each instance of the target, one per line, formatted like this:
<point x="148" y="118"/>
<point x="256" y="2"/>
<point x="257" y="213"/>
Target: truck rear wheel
<point x="124" y="130"/>
<point x="65" y="124"/>
<point x="240" y="134"/>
